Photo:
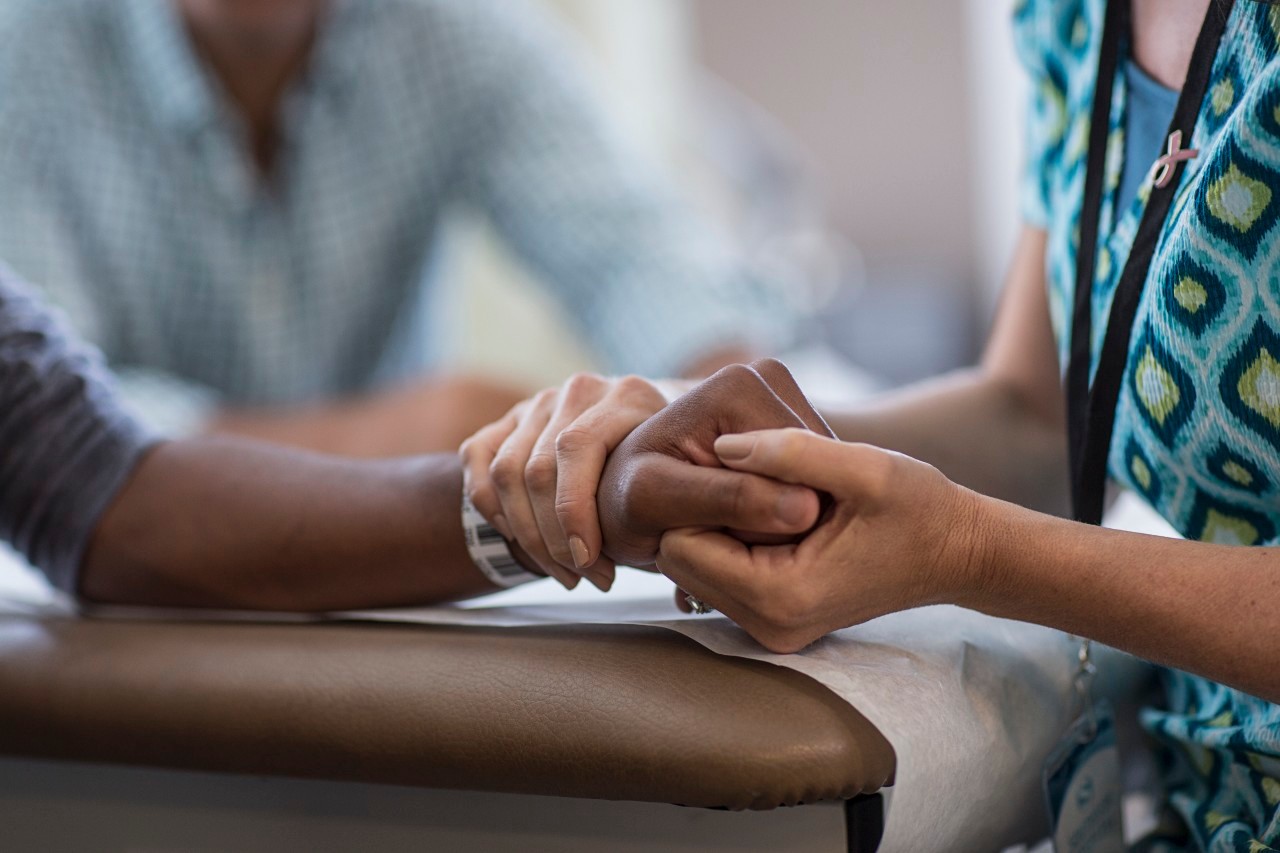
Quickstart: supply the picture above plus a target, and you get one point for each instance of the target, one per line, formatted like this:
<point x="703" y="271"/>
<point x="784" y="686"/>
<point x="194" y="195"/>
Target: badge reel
<point x="1082" y="776"/>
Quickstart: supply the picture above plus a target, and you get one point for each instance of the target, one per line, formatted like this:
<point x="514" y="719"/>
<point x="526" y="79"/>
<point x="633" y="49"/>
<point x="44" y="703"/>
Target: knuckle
<point x="636" y="397"/>
<point x="540" y="472"/>
<point x="583" y="386"/>
<point x="795" y="442"/>
<point x="632" y="386"/>
<point x="735" y="373"/>
<point x="727" y="379"/>
<point x="796" y="446"/>
<point x="770" y="365"/>
<point x="477" y="447"/>
<point x="505" y="472"/>
<point x="779" y="377"/>
<point x="574" y="439"/>
<point x="878" y="473"/>
<point x="744" y="387"/>
<point x="485" y="499"/>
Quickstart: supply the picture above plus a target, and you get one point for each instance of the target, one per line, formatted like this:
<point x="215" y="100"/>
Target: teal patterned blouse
<point x="1198" y="423"/>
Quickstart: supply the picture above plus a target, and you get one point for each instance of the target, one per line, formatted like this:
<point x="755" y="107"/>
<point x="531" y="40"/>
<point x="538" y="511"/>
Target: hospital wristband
<point x="489" y="550"/>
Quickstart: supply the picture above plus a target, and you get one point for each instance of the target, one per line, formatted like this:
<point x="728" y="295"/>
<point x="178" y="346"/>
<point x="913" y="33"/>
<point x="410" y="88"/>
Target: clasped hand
<point x="590" y="475"/>
<point x="897" y="535"/>
<point x="736" y="490"/>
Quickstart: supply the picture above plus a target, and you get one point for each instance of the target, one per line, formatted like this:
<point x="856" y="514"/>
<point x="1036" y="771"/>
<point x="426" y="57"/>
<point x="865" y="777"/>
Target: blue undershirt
<point x="1151" y="106"/>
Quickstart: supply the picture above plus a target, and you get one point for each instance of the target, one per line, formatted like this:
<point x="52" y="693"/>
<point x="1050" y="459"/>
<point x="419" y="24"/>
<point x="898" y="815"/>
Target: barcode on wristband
<point x="489" y="550"/>
<point x="487" y="534"/>
<point x="507" y="567"/>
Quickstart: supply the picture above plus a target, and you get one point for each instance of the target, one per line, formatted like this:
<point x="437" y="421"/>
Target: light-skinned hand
<point x="898" y="535"/>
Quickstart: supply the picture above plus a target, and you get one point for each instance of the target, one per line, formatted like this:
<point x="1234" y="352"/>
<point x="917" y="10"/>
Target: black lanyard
<point x="1091" y="411"/>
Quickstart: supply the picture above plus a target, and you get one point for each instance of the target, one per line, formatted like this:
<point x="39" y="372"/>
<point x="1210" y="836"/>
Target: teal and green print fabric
<point x="1197" y="429"/>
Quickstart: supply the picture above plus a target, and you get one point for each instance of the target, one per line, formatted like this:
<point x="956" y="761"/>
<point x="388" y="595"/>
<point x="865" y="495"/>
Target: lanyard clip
<point x="1083" y="682"/>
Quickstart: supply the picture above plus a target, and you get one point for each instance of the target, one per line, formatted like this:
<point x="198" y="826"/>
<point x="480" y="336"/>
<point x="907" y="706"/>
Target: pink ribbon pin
<point x="1165" y="165"/>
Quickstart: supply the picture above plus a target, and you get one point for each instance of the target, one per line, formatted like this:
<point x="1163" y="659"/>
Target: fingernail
<point x="735" y="447"/>
<point x="578" y="550"/>
<point x="794" y="507"/>
<point x="500" y="522"/>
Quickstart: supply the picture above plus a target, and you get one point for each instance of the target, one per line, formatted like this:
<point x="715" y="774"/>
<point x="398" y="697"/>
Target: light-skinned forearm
<point x="1207" y="609"/>
<point x="230" y="524"/>
<point x="1000" y="428"/>
<point x="974" y="429"/>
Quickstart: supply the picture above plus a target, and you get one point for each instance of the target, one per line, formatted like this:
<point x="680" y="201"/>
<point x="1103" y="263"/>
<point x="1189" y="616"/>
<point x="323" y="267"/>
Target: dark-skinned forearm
<point x="230" y="524"/>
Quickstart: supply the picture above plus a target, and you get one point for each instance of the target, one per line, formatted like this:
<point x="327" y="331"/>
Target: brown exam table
<point x="599" y="712"/>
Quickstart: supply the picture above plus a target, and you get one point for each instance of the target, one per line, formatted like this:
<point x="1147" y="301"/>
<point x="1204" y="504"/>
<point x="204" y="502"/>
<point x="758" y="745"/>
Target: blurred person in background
<point x="239" y="202"/>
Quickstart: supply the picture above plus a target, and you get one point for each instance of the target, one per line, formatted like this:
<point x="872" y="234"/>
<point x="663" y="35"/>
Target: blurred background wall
<point x="892" y="126"/>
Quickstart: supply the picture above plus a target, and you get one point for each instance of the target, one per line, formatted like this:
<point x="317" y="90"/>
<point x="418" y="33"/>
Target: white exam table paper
<point x="971" y="704"/>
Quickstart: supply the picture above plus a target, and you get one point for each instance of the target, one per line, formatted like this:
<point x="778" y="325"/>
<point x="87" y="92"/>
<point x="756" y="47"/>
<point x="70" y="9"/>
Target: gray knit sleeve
<point x="66" y="445"/>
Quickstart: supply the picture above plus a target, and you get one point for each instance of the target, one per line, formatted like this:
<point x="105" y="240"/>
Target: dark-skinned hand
<point x="666" y="474"/>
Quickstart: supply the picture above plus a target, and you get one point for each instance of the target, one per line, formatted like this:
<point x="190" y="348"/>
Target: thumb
<point x="672" y="494"/>
<point x="796" y="456"/>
